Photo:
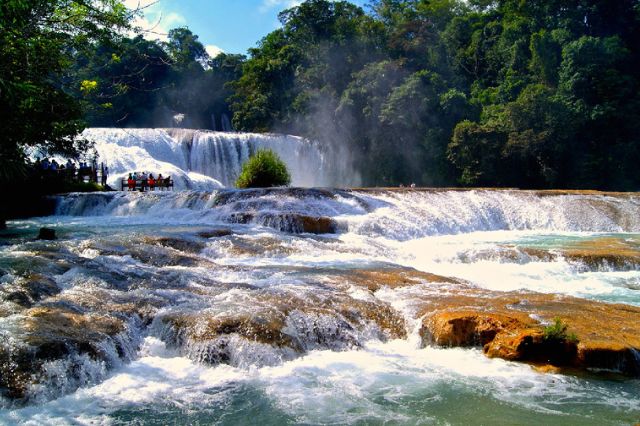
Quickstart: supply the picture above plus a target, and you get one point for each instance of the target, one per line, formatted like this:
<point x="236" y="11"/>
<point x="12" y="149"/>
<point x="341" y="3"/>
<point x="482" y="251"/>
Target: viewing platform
<point x="142" y="185"/>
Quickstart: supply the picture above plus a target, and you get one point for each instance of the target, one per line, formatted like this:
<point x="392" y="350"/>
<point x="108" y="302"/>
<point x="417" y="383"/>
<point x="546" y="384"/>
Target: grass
<point x="558" y="332"/>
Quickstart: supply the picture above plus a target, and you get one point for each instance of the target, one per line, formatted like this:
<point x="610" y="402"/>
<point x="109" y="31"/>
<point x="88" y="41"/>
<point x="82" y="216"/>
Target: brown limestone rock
<point x="468" y="328"/>
<point x="375" y="279"/>
<point x="215" y="233"/>
<point x="50" y="334"/>
<point x="504" y="325"/>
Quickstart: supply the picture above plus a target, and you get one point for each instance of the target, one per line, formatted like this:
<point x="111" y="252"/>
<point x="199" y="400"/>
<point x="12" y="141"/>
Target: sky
<point x="230" y="26"/>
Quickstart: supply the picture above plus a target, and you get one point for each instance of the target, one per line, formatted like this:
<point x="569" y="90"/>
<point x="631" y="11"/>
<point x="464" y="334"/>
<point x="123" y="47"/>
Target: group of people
<point x="145" y="181"/>
<point x="71" y="170"/>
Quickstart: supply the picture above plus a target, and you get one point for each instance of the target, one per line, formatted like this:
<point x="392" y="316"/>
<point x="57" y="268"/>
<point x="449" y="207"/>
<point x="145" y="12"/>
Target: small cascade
<point x="397" y="215"/>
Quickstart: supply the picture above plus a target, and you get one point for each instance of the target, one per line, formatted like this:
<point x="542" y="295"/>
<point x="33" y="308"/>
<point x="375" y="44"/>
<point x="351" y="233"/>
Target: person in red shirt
<point x="131" y="183"/>
<point x="152" y="182"/>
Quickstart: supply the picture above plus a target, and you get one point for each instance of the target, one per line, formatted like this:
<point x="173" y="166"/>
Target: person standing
<point x="105" y="174"/>
<point x="131" y="182"/>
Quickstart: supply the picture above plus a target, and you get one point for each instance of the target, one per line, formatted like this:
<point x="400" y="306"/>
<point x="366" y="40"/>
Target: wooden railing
<point x="143" y="185"/>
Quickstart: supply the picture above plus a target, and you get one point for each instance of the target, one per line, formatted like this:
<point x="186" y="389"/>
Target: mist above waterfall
<point x="198" y="159"/>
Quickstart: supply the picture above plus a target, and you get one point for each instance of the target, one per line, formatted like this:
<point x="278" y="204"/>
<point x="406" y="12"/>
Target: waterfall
<point x="206" y="160"/>
<point x="393" y="214"/>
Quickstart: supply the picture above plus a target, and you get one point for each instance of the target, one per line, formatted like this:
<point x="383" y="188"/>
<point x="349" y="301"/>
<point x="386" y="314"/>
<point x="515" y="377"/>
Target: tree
<point x="38" y="38"/>
<point x="264" y="169"/>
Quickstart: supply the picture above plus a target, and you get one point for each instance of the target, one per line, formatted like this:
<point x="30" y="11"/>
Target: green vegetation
<point x="143" y="83"/>
<point x="264" y="169"/>
<point x="530" y="94"/>
<point x="558" y="332"/>
<point x="38" y="39"/>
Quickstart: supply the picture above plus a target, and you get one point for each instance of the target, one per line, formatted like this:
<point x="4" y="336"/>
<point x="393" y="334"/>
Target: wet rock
<point x="285" y="322"/>
<point x="44" y="335"/>
<point x="610" y="252"/>
<point x="225" y="197"/>
<point x="265" y="327"/>
<point x="161" y="256"/>
<point x="47" y="234"/>
<point x="47" y="324"/>
<point x="510" y="326"/>
<point x="289" y="222"/>
<point x="25" y="292"/>
<point x="530" y="345"/>
<point x="468" y="328"/>
<point x="375" y="279"/>
<point x="258" y="247"/>
<point x="19" y="298"/>
<point x="297" y="223"/>
<point x="215" y="233"/>
<point x="39" y="287"/>
<point x="184" y="245"/>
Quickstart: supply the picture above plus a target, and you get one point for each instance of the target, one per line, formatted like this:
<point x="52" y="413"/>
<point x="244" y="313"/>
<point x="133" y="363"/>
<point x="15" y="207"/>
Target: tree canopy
<point x="39" y="39"/>
<point x="445" y="92"/>
<point x="438" y="92"/>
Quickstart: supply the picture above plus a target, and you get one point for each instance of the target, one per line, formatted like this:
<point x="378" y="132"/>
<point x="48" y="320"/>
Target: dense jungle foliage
<point x="540" y="94"/>
<point x="530" y="94"/>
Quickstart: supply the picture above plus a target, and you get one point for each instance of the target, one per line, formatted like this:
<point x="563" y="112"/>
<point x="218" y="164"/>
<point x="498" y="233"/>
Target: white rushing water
<point x="184" y="259"/>
<point x="200" y="159"/>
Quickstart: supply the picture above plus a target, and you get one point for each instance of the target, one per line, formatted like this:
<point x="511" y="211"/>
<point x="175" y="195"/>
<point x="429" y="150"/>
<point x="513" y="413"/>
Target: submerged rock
<point x="57" y="350"/>
<point x="282" y="325"/>
<point x="289" y="222"/>
<point x="598" y="253"/>
<point x="215" y="233"/>
<point x="47" y="234"/>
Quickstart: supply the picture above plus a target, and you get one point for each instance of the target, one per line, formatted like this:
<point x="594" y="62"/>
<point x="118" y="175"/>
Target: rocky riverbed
<point x="260" y="281"/>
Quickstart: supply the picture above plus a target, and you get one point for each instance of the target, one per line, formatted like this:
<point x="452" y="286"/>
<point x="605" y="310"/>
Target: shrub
<point x="558" y="332"/>
<point x="262" y="170"/>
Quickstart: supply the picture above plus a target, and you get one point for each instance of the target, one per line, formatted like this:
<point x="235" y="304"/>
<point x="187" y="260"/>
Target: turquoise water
<point x="347" y="372"/>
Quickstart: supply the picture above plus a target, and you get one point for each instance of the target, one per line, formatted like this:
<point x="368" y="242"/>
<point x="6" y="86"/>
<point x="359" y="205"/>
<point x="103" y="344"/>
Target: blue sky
<point x="232" y="26"/>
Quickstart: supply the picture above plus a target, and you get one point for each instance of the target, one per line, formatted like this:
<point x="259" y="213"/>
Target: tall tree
<point x="38" y="39"/>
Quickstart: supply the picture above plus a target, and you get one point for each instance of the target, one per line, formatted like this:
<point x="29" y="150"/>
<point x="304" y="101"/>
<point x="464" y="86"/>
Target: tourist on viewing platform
<point x="152" y="182"/>
<point x="70" y="169"/>
<point x="160" y="182"/>
<point x="105" y="174"/>
<point x="131" y="183"/>
<point x="143" y="181"/>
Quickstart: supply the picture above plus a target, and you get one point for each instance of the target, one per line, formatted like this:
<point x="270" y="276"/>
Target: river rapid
<point x="227" y="307"/>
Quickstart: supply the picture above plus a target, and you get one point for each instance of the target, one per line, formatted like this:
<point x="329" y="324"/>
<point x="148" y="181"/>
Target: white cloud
<point x="280" y="4"/>
<point x="153" y="22"/>
<point x="213" y="50"/>
<point x="138" y="4"/>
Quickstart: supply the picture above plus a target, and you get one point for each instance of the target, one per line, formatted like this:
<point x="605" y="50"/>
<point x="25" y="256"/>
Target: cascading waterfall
<point x="198" y="159"/>
<point x="392" y="214"/>
<point x="306" y="305"/>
